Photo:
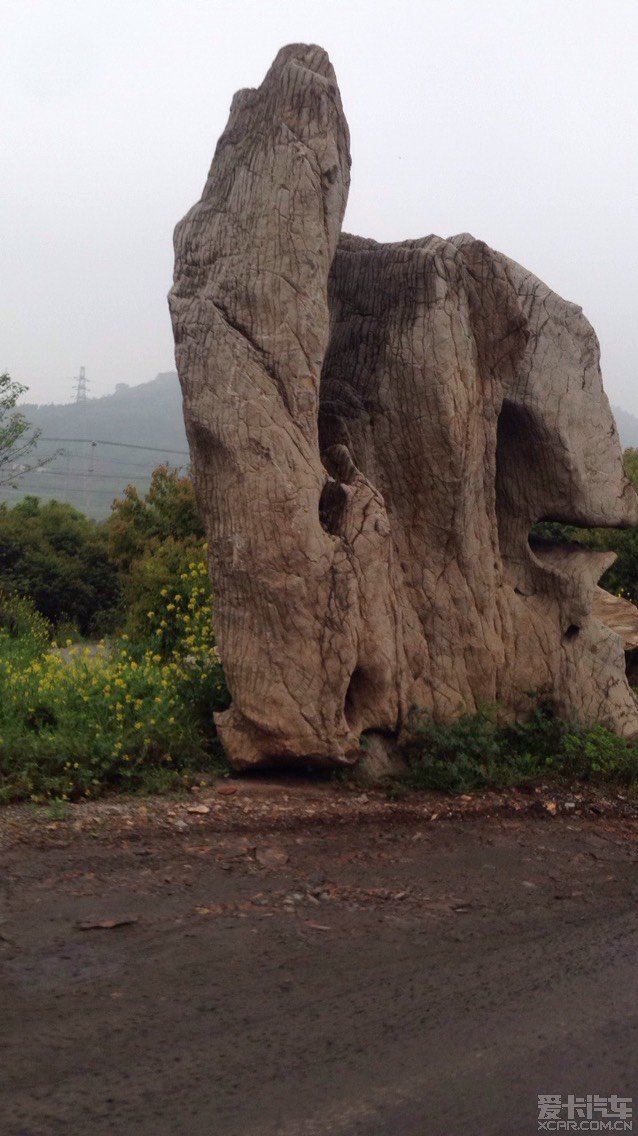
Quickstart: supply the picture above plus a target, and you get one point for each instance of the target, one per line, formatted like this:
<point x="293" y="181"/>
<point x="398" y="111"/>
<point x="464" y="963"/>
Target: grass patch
<point x="479" y="752"/>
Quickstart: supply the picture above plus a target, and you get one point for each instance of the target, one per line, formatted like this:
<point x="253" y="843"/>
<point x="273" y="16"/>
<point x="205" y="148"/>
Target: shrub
<point x="129" y="715"/>
<point x="74" y="726"/>
<point x="478" y="752"/>
<point x="138" y="712"/>
<point x="168" y="589"/>
<point x="157" y="541"/>
<point x="20" y="620"/>
<point x="622" y="577"/>
<point x="140" y="524"/>
<point x="182" y="621"/>
<point x="59" y="559"/>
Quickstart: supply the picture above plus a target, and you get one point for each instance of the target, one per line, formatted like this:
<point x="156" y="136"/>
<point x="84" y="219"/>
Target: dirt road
<point x="302" y="962"/>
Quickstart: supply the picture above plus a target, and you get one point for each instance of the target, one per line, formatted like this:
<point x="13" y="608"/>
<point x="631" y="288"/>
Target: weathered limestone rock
<point x="374" y="431"/>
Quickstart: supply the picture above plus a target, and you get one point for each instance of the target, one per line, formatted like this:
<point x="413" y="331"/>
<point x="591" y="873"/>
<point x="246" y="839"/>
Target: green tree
<point x="156" y="540"/>
<point x="17" y="437"/>
<point x="139" y="524"/>
<point x="59" y="558"/>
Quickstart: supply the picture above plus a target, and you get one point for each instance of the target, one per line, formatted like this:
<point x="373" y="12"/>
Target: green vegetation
<point x="139" y="525"/>
<point x="154" y="541"/>
<point x="479" y="752"/>
<point x="17" y="438"/>
<point x="622" y="577"/>
<point x="79" y="720"/>
<point x="134" y="711"/>
<point x="60" y="560"/>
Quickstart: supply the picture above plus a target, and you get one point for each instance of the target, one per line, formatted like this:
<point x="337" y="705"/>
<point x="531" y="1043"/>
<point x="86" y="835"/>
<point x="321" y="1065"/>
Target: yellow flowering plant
<point x="131" y="713"/>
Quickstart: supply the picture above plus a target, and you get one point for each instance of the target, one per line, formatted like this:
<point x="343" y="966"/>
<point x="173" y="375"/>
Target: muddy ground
<point x="290" y="959"/>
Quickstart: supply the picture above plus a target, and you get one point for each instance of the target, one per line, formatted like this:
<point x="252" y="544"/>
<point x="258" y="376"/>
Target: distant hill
<point x="90" y="476"/>
<point x="627" y="427"/>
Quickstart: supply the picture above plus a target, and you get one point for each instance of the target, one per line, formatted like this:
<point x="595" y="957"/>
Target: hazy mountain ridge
<point x="91" y="476"/>
<point x="149" y="413"/>
<point x="627" y="426"/>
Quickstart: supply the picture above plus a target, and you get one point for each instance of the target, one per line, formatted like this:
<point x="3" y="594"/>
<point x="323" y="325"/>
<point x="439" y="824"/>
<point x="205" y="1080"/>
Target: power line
<point x="125" y="445"/>
<point x="82" y="474"/>
<point x="74" y="489"/>
<point x="148" y="463"/>
<point x="133" y="465"/>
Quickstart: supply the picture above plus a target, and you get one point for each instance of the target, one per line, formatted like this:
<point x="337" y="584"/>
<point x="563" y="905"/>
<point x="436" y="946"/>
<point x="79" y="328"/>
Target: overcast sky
<point x="512" y="119"/>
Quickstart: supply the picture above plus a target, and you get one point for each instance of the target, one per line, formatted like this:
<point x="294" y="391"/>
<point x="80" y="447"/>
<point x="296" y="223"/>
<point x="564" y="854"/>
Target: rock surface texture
<point x="374" y="430"/>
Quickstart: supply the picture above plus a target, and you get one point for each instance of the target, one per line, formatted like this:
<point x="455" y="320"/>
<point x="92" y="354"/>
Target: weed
<point x="57" y="810"/>
<point x="479" y="752"/>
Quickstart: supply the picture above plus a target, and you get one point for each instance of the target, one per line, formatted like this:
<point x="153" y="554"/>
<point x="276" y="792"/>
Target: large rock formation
<point x="374" y="431"/>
